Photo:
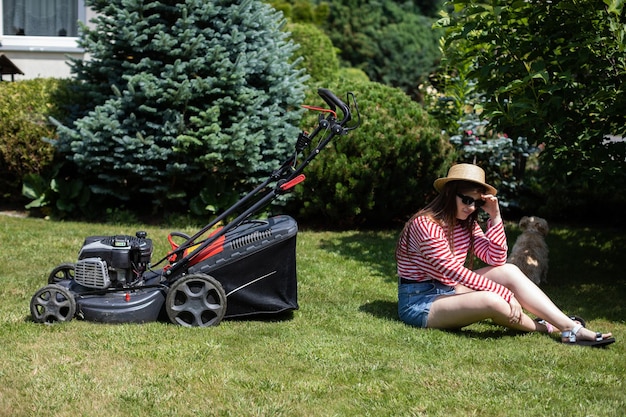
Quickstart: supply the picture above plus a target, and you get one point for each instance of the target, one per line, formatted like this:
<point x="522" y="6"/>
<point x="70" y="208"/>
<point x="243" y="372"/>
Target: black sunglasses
<point x="468" y="201"/>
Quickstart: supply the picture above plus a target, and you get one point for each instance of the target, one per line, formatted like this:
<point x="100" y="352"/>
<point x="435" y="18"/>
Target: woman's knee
<point x="511" y="269"/>
<point x="507" y="274"/>
<point x="506" y="270"/>
<point x="495" y="303"/>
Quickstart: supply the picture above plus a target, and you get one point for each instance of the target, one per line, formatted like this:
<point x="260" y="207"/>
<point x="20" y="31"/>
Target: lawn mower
<point x="229" y="269"/>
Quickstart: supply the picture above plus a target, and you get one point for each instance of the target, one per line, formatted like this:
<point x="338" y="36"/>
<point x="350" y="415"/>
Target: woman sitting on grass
<point x="436" y="290"/>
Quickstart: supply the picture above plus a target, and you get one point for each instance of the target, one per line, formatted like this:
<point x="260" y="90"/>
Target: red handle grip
<point x="290" y="184"/>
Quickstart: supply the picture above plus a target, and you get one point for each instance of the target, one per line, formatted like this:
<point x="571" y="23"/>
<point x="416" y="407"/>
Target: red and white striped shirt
<point x="426" y="255"/>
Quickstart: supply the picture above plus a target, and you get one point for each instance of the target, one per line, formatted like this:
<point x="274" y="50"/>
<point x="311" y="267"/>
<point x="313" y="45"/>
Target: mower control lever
<point x="292" y="183"/>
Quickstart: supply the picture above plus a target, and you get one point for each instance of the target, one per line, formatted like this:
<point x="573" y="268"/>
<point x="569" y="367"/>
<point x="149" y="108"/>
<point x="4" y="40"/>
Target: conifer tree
<point x="190" y="101"/>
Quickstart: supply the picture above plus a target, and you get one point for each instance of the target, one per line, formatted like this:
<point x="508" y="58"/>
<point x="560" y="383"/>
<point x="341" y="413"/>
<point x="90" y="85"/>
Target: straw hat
<point x="465" y="172"/>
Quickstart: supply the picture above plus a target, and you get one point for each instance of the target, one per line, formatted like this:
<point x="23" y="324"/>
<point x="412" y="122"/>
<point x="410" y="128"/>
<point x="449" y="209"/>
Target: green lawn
<point x="344" y="353"/>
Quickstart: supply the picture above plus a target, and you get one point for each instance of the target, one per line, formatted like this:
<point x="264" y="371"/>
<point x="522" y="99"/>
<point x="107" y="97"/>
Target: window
<point x="41" y="25"/>
<point x="40" y="17"/>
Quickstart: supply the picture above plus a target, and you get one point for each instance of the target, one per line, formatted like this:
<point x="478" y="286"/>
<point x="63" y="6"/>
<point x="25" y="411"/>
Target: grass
<point x="343" y="353"/>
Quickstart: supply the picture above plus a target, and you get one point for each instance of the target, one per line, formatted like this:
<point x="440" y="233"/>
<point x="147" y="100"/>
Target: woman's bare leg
<point x="533" y="299"/>
<point x="468" y="306"/>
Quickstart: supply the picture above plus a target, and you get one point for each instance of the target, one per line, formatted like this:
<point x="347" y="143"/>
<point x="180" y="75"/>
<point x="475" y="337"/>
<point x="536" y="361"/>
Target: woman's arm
<point x="439" y="262"/>
<point x="491" y="247"/>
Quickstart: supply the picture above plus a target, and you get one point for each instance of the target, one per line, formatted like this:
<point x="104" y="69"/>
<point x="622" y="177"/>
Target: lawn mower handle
<point x="286" y="177"/>
<point x="333" y="102"/>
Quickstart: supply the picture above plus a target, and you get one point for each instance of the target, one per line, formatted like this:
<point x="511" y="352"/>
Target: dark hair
<point x="442" y="210"/>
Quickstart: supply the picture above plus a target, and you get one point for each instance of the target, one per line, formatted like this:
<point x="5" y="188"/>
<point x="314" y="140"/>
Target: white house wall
<point x="41" y="64"/>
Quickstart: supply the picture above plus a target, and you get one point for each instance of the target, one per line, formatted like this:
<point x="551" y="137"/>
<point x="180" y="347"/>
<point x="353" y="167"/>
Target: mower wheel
<point x="61" y="273"/>
<point x="196" y="300"/>
<point x="51" y="304"/>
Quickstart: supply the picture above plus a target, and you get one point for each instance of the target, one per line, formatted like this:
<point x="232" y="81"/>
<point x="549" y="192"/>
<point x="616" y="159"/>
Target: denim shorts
<point x="414" y="300"/>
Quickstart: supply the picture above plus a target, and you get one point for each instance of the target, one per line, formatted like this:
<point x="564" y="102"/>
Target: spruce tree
<point x="190" y="101"/>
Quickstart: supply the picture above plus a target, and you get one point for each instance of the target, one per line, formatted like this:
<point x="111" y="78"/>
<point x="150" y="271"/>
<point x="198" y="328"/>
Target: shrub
<point x="316" y="52"/>
<point x="24" y="111"/>
<point x="503" y="159"/>
<point x="393" y="42"/>
<point x="553" y="72"/>
<point x="380" y="173"/>
<point x="303" y="11"/>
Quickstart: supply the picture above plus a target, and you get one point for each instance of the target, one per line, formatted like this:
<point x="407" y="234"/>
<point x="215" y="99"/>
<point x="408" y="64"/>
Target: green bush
<point x="24" y="111"/>
<point x="393" y="42"/>
<point x="316" y="52"/>
<point x="303" y="11"/>
<point x="380" y="173"/>
<point x="552" y="72"/>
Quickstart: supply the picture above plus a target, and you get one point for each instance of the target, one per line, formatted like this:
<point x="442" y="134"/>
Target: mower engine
<point x="118" y="261"/>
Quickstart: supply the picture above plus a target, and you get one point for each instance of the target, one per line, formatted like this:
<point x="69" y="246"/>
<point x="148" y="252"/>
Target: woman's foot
<point x="579" y="335"/>
<point x="543" y="326"/>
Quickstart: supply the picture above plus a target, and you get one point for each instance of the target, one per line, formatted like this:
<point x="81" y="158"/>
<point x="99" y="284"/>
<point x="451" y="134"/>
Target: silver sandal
<point x="569" y="338"/>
